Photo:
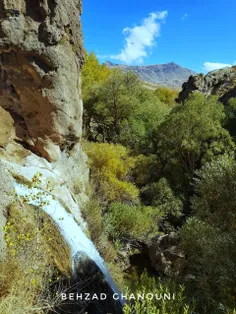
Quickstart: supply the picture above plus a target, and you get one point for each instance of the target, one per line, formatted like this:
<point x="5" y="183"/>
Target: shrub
<point x="28" y="271"/>
<point x="176" y="305"/>
<point x="124" y="221"/>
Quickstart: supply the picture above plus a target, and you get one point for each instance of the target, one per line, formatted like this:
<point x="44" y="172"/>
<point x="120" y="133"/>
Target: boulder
<point x="221" y="83"/>
<point x="165" y="254"/>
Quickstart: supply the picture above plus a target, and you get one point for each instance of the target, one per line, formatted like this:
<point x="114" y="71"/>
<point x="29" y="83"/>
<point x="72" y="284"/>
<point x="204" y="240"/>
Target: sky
<point x="198" y="34"/>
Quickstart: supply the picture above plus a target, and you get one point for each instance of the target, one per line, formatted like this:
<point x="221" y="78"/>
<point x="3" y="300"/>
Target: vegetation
<point x="209" y="239"/>
<point x="124" y="221"/>
<point x="177" y="302"/>
<point x="110" y="167"/>
<point x="166" y="95"/>
<point x="157" y="166"/>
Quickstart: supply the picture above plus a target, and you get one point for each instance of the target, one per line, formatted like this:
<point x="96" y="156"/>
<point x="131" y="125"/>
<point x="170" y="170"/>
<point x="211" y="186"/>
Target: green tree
<point x="117" y="102"/>
<point x="137" y="222"/>
<point x="190" y="136"/>
<point x="209" y="240"/>
<point x="93" y="71"/>
<point x="93" y="75"/>
<point x="139" y="129"/>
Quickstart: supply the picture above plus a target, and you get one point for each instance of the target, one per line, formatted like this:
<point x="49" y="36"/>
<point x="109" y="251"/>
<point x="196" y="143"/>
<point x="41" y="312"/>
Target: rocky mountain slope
<point x="170" y="75"/>
<point x="219" y="82"/>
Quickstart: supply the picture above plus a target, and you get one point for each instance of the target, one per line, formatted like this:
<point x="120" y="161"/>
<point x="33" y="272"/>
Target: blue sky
<point x="198" y="34"/>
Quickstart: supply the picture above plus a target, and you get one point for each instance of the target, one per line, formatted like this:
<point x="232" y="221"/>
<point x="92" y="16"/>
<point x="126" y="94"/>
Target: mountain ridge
<point x="168" y="74"/>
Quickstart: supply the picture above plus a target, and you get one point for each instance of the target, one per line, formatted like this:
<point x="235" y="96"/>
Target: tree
<point x="166" y="95"/>
<point x="117" y="102"/>
<point x="139" y="130"/>
<point x="192" y="135"/>
<point x="137" y="222"/>
<point x="209" y="239"/>
<point x="145" y="285"/>
<point x="93" y="75"/>
<point x="93" y="71"/>
<point x="110" y="167"/>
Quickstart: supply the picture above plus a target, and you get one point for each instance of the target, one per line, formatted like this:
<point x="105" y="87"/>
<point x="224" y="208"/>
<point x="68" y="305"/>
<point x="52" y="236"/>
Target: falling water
<point x="72" y="232"/>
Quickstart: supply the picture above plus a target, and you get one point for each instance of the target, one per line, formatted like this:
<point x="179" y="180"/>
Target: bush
<point x="27" y="273"/>
<point x="125" y="221"/>
<point x="145" y="285"/>
<point x="110" y="167"/>
<point x="209" y="239"/>
<point x="160" y="195"/>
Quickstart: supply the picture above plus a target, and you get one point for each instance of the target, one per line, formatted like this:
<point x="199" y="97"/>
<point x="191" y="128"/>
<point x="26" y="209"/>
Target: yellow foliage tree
<point x="166" y="95"/>
<point x="93" y="71"/>
<point x="110" y="166"/>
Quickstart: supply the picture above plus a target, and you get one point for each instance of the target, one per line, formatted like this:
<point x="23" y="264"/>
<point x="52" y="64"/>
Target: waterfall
<point x="73" y="232"/>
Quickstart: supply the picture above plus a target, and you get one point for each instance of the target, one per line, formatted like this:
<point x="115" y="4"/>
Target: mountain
<point x="169" y="74"/>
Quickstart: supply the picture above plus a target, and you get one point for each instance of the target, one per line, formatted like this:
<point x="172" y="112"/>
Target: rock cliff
<point x="221" y="83"/>
<point x="41" y="55"/>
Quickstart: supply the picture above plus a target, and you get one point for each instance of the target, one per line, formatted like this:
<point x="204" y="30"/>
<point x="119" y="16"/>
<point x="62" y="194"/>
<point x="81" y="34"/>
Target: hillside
<point x="170" y="75"/>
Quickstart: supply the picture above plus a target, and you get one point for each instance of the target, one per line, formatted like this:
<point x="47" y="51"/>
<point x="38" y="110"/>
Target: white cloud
<point x="211" y="66"/>
<point x="184" y="16"/>
<point x="141" y="38"/>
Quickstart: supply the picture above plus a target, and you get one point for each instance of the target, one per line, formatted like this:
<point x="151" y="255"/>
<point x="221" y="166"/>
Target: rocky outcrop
<point x="221" y="83"/>
<point x="165" y="254"/>
<point x="40" y="61"/>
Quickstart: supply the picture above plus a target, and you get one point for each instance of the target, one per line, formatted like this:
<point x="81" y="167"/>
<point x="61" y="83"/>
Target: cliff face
<point x="221" y="83"/>
<point x="41" y="55"/>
